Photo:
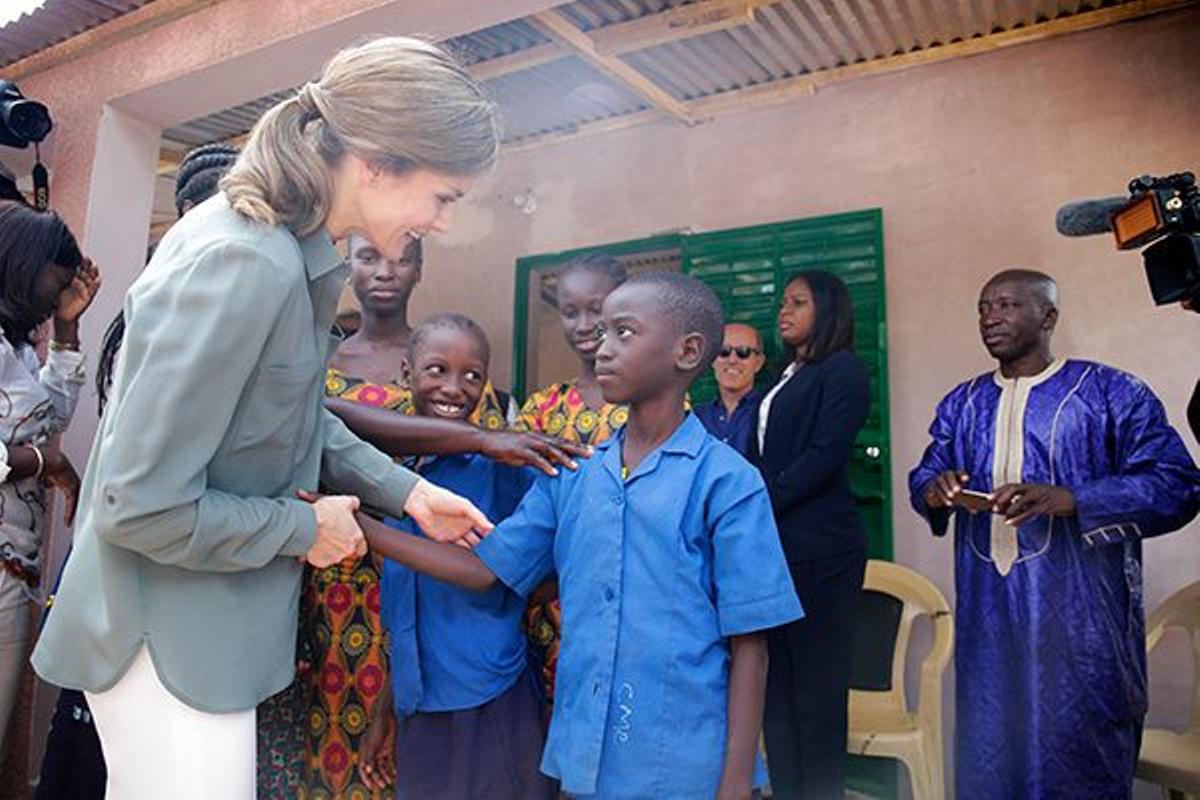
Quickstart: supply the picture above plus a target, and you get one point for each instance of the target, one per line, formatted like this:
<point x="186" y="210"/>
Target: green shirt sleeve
<point x="195" y="337"/>
<point x="351" y="466"/>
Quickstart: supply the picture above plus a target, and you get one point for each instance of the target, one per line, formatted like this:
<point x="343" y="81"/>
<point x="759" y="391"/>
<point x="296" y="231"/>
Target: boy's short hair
<point x="691" y="306"/>
<point x="458" y="322"/>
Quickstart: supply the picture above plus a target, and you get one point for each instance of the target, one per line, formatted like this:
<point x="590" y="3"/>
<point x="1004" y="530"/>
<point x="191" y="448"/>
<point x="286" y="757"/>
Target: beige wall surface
<point x="968" y="159"/>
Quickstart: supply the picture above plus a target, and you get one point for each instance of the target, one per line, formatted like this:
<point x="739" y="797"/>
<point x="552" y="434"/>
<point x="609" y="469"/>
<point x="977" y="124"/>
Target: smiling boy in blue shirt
<point x="669" y="567"/>
<point x="469" y="718"/>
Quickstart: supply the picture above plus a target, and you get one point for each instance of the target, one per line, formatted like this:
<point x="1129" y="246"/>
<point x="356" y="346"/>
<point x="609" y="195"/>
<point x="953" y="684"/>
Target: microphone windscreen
<point x="1088" y="217"/>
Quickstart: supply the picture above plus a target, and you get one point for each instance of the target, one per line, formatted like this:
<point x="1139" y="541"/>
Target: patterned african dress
<point x="350" y="664"/>
<point x="559" y="410"/>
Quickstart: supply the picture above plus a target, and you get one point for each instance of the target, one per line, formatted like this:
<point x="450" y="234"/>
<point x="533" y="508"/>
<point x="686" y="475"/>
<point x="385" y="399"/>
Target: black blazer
<point x="813" y="422"/>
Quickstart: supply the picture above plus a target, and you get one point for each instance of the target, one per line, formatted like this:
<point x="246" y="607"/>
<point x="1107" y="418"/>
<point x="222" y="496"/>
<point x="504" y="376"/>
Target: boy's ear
<point x="405" y="373"/>
<point x="690" y="352"/>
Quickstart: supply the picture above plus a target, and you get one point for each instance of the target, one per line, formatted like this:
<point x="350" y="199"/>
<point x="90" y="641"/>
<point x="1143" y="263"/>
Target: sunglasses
<point x="743" y="352"/>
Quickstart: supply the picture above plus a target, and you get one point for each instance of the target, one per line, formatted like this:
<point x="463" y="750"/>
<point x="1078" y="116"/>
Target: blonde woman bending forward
<point x="177" y="609"/>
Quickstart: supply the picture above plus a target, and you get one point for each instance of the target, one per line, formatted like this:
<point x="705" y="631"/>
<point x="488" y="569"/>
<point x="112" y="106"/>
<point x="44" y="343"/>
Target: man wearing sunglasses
<point x="732" y="416"/>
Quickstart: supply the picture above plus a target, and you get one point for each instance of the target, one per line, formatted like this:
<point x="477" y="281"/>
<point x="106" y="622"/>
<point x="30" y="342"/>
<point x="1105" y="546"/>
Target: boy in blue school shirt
<point x="669" y="569"/>
<point x="469" y="718"/>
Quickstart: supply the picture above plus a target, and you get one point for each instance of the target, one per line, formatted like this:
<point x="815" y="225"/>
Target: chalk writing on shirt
<point x="623" y="727"/>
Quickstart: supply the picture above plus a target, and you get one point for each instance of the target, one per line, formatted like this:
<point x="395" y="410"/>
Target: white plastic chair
<point x="880" y="723"/>
<point x="1169" y="759"/>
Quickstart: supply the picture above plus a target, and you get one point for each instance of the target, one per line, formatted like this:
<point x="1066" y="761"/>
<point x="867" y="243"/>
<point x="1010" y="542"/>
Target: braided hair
<point x="199" y="173"/>
<point x="196" y="181"/>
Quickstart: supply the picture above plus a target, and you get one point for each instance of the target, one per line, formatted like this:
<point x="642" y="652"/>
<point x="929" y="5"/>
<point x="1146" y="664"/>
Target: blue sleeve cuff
<point x="1112" y="534"/>
<point x="757" y="615"/>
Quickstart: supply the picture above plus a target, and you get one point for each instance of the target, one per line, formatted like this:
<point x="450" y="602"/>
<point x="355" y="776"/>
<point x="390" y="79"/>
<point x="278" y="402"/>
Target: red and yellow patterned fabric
<point x="559" y="410"/>
<point x="349" y="642"/>
<point x="350" y="670"/>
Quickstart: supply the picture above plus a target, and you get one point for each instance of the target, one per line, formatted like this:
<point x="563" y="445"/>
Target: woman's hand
<point x="444" y="516"/>
<point x="338" y="534"/>
<point x="79" y="294"/>
<point x="60" y="474"/>
<point x="518" y="449"/>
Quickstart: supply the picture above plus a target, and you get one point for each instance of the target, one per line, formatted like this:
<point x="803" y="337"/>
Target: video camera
<point x="1163" y="213"/>
<point x="21" y="121"/>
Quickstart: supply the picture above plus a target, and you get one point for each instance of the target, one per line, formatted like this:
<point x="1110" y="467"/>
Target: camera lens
<point x="28" y="119"/>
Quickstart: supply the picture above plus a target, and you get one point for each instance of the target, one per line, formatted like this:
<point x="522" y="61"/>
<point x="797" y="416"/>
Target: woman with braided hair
<point x="177" y="608"/>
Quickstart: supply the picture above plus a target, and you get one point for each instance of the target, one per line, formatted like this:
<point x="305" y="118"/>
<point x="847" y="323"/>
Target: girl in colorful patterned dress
<point x="574" y="410"/>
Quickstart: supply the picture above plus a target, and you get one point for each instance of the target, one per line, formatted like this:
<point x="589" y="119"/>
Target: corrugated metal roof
<point x="558" y="96"/>
<point x="797" y="37"/>
<point x="57" y="21"/>
<point x="783" y="39"/>
<point x="496" y="41"/>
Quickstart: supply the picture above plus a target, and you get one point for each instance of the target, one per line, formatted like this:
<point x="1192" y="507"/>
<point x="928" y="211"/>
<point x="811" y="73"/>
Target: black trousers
<point x="808" y="682"/>
<point x="73" y="765"/>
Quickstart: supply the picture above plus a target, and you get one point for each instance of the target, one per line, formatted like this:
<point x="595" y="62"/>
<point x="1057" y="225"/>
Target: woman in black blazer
<point x="807" y="427"/>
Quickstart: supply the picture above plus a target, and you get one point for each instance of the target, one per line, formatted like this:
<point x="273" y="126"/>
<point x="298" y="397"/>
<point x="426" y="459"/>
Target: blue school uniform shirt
<point x="455" y="649"/>
<point x="655" y="573"/>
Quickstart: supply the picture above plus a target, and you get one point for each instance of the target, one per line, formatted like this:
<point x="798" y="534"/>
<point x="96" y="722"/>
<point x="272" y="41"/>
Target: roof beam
<point x="168" y="163"/>
<point x="681" y="22"/>
<point x="792" y="89"/>
<point x="509" y="63"/>
<point x="561" y="29"/>
<point x="672" y="25"/>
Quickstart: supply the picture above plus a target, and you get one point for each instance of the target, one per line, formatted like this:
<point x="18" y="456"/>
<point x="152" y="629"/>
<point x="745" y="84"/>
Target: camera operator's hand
<point x="79" y="294"/>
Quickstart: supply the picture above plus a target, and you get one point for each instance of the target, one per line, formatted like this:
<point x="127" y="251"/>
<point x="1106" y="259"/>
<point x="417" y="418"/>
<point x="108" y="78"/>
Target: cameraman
<point x="42" y="275"/>
<point x="1162" y="212"/>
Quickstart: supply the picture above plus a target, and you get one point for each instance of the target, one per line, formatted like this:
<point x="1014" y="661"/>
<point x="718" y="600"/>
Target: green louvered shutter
<point x="748" y="267"/>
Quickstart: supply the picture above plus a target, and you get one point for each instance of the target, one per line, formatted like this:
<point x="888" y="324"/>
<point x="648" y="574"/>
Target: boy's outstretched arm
<point x="747" y="691"/>
<point x="446" y="562"/>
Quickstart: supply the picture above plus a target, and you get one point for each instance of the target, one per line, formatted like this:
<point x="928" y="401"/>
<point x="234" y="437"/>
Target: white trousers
<point x="156" y="746"/>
